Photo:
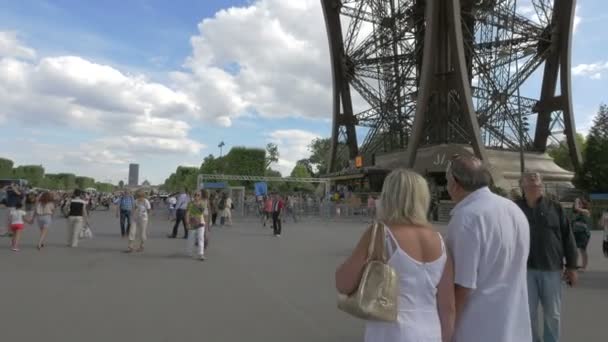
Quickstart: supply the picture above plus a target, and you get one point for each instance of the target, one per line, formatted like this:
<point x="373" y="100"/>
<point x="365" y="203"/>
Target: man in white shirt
<point x="489" y="238"/>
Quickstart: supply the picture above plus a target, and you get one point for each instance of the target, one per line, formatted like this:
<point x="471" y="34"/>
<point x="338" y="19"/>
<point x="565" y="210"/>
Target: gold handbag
<point x="377" y="294"/>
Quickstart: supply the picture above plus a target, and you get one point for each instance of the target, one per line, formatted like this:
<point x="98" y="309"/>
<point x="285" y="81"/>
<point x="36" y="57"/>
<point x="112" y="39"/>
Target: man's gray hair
<point x="470" y="173"/>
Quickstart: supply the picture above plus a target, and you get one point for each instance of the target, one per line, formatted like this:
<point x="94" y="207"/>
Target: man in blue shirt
<point x="124" y="207"/>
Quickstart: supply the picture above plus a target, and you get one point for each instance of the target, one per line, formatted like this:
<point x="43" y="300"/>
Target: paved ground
<point x="252" y="288"/>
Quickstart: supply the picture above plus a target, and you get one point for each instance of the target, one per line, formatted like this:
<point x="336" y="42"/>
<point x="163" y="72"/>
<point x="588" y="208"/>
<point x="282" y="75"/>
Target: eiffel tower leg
<point x="558" y="63"/>
<point x="341" y="88"/>
<point x="428" y="81"/>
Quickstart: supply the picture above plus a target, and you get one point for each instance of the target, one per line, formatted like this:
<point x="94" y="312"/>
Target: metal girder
<point x="263" y="178"/>
<point x="415" y="62"/>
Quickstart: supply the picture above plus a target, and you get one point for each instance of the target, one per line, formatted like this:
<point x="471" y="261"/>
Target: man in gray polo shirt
<point x="489" y="239"/>
<point x="551" y="241"/>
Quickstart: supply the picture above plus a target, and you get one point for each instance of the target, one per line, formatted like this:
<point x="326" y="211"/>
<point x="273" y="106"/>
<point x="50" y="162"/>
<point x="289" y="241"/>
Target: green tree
<point x="186" y="178"/>
<point x="104" y="187"/>
<point x="319" y="158"/>
<point x="52" y="182"/>
<point x="301" y="171"/>
<point x="561" y="155"/>
<point x="85" y="182"/>
<point x="68" y="180"/>
<point x="6" y="168"/>
<point x="594" y="177"/>
<point x="246" y="161"/>
<point x="272" y="154"/>
<point x="121" y="184"/>
<point x="32" y="173"/>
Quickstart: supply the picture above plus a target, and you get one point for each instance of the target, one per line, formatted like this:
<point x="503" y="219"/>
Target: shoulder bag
<point x="377" y="293"/>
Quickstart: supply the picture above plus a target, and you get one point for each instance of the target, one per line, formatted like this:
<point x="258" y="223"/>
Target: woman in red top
<point x="267" y="209"/>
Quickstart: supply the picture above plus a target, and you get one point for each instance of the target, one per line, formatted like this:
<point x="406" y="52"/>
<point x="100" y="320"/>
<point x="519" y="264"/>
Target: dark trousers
<point x="180" y="216"/>
<point x="213" y="218"/>
<point x="276" y="223"/>
<point x="125" y="222"/>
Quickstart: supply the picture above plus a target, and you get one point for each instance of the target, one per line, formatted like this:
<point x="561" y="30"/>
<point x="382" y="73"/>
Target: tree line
<point x="593" y="176"/>
<point x="254" y="162"/>
<point x="36" y="177"/>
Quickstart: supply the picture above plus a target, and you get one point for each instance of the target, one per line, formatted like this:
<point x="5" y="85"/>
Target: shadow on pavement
<point x="593" y="280"/>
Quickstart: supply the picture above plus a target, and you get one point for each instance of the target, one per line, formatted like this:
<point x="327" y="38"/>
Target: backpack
<point x="580" y="224"/>
<point x="222" y="204"/>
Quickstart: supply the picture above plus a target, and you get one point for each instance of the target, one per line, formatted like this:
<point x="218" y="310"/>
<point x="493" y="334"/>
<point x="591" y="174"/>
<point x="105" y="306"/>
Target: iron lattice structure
<point x="416" y="73"/>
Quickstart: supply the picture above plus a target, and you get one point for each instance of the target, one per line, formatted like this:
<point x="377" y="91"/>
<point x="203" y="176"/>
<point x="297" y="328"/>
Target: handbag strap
<point x="376" y="243"/>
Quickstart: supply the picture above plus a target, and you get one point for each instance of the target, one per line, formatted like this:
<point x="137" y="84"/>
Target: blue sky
<point x="91" y="86"/>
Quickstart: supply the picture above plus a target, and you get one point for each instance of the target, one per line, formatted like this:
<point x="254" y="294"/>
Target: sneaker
<point x="202" y="258"/>
<point x="15" y="249"/>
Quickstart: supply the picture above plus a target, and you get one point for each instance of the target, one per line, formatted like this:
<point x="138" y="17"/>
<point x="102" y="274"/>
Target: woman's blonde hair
<point x="140" y="194"/>
<point x="405" y="198"/>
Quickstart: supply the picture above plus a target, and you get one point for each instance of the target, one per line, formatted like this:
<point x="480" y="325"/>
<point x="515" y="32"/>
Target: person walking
<point x="180" y="214"/>
<point x="43" y="214"/>
<point x="580" y="228"/>
<point x="124" y="208"/>
<point x="14" y="195"/>
<point x="171" y="202"/>
<point x="206" y="210"/>
<point x="140" y="223"/>
<point x="277" y="210"/>
<point x="195" y="218"/>
<point x="16" y="223"/>
<point x="419" y="257"/>
<point x="77" y="218"/>
<point x="267" y="209"/>
<point x="489" y="238"/>
<point x="604" y="224"/>
<point x="551" y="241"/>
<point x="225" y="208"/>
<point x="213" y="209"/>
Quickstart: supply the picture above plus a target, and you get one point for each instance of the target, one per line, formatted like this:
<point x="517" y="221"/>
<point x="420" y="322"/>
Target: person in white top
<point x="604" y="225"/>
<point x="489" y="238"/>
<point x="418" y="255"/>
<point x="140" y="223"/>
<point x="16" y="221"/>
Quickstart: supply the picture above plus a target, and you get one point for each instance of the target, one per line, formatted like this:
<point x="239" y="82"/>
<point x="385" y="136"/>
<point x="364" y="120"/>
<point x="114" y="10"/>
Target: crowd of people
<point x="197" y="212"/>
<point x="500" y="262"/>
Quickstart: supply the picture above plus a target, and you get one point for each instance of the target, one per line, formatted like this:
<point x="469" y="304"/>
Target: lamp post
<point x="220" y="146"/>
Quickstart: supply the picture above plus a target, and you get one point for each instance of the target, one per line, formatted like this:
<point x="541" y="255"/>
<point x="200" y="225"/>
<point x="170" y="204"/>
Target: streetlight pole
<point x="220" y="146"/>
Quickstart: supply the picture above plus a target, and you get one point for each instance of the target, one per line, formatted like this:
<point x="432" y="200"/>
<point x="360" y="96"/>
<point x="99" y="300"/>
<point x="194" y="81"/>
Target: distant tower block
<point x="133" y="174"/>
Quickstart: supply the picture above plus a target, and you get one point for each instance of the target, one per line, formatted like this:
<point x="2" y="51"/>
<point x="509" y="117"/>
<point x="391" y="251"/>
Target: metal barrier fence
<point x="314" y="208"/>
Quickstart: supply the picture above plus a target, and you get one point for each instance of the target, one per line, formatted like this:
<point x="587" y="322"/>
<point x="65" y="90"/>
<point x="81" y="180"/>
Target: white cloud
<point x="593" y="70"/>
<point x="293" y="146"/>
<point x="11" y="47"/>
<point x="282" y="64"/>
<point x="128" y="116"/>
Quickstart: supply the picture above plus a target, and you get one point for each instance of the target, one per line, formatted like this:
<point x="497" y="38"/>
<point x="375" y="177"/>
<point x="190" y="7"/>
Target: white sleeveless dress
<point x="418" y="319"/>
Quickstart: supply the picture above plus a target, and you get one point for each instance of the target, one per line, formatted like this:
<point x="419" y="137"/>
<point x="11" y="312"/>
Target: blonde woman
<point x="195" y="223"/>
<point x="139" y="230"/>
<point x="418" y="254"/>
